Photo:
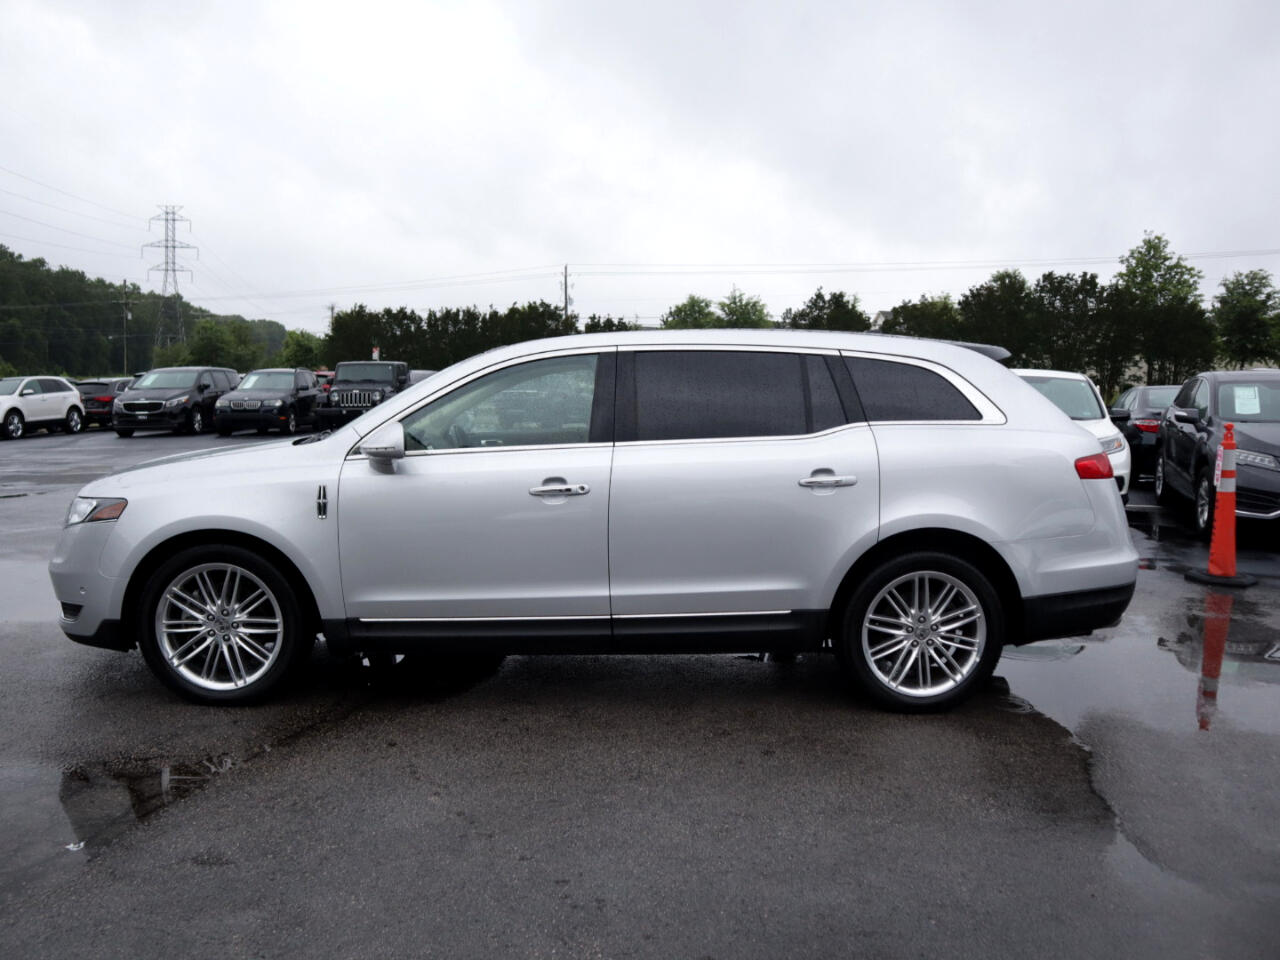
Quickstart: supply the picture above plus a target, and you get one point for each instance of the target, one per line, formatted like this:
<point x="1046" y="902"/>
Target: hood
<point x="1259" y="437"/>
<point x="156" y="393"/>
<point x="365" y="384"/>
<point x="241" y="457"/>
<point x="265" y="394"/>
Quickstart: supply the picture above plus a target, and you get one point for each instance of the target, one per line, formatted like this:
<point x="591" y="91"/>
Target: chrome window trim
<point x="766" y="438"/>
<point x="354" y="454"/>
<point x="724" y="348"/>
<point x="991" y="414"/>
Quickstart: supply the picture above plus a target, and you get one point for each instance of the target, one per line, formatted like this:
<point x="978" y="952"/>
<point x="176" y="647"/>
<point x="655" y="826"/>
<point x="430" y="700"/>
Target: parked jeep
<point x="359" y="386"/>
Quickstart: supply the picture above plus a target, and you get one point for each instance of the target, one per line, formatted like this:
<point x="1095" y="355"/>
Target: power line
<point x="74" y="213"/>
<point x="74" y="233"/>
<point x="94" y="203"/>
<point x="63" y="246"/>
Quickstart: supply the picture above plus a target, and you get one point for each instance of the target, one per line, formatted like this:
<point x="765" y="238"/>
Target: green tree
<point x="740" y="311"/>
<point x="352" y="335"/>
<point x="210" y="343"/>
<point x="692" y="313"/>
<point x="607" y="324"/>
<point x="301" y="349"/>
<point x="999" y="312"/>
<point x="838" y="311"/>
<point x="171" y="355"/>
<point x="936" y="317"/>
<point x="1245" y="314"/>
<point x="1158" y="294"/>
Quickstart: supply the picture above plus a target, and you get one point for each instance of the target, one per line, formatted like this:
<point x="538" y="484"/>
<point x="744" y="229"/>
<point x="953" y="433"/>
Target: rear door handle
<point x="828" y="480"/>
<point x="560" y="490"/>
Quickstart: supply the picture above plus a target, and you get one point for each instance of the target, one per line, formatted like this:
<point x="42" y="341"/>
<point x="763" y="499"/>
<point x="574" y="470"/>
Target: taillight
<point x="1094" y="467"/>
<point x="106" y="399"/>
<point x="1147" y="426"/>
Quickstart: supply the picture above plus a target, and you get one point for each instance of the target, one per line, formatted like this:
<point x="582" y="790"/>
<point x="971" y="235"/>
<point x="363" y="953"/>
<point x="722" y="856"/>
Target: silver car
<point x="909" y="505"/>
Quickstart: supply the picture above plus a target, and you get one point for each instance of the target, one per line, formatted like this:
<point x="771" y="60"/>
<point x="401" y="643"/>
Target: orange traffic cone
<point x="1222" y="545"/>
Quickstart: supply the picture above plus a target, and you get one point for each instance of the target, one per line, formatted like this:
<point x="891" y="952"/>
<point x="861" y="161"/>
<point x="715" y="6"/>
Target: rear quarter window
<point x="890" y="390"/>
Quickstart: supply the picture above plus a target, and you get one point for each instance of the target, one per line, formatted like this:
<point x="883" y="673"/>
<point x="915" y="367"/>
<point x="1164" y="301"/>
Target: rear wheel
<point x="221" y="625"/>
<point x="14" y="426"/>
<point x="74" y="422"/>
<point x="922" y="632"/>
<point x="1203" y="506"/>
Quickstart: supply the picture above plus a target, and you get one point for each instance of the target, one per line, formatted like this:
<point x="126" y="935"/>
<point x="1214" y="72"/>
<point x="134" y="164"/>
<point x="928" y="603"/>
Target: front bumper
<point x="89" y="599"/>
<point x="1121" y="466"/>
<point x="1257" y="492"/>
<point x="244" y="419"/>
<point x="331" y="417"/>
<point x="174" y="419"/>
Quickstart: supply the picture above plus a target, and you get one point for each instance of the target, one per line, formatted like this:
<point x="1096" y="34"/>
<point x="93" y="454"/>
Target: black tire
<point x="1164" y="495"/>
<point x="124" y="432"/>
<point x="224" y="431"/>
<point x="75" y="421"/>
<point x="965" y="656"/>
<point x="14" y="426"/>
<point x="195" y="421"/>
<point x="1202" y="513"/>
<point x="287" y="648"/>
<point x="290" y="426"/>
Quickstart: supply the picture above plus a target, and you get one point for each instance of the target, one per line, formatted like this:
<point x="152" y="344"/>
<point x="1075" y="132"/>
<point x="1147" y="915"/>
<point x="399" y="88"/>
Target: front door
<point x="499" y="510"/>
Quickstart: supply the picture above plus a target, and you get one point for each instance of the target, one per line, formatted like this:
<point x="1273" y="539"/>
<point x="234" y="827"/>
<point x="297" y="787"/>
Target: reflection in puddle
<point x="103" y="800"/>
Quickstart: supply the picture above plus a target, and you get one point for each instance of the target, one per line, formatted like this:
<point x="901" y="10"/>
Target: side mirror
<point x="385" y="444"/>
<point x="1189" y="415"/>
<point x="27" y="392"/>
<point x="1119" y="415"/>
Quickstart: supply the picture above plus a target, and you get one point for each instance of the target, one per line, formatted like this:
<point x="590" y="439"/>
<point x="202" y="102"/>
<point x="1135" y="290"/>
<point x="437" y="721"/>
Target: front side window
<point x="32" y="386"/>
<point x="715" y="394"/>
<point x="539" y="403"/>
<point x="890" y="390"/>
<point x="1185" y="394"/>
<point x="1201" y="401"/>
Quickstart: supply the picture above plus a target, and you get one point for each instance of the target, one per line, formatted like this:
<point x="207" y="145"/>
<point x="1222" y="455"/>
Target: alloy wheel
<point x="13" y="425"/>
<point x="924" y="633"/>
<point x="219" y="626"/>
<point x="1204" y="504"/>
<point x="74" y="423"/>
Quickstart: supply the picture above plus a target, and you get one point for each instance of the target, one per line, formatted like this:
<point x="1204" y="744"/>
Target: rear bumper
<point x="1073" y="614"/>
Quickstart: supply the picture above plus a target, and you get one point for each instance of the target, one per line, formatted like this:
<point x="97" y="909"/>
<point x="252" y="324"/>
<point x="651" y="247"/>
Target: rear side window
<point x="49" y="385"/>
<point x="714" y="394"/>
<point x="902" y="391"/>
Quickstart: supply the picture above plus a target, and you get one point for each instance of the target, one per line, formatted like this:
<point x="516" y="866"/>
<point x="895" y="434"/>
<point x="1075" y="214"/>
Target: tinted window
<point x="537" y="403"/>
<point x="827" y="411"/>
<point x="49" y="385"/>
<point x="1185" y="394"/>
<point x="707" y="394"/>
<point x="91" y="386"/>
<point x="32" y="386"/>
<point x="1201" y="401"/>
<point x="221" y="380"/>
<point x="902" y="391"/>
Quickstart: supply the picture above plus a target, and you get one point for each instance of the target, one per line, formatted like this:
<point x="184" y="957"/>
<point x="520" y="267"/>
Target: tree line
<point x="1148" y="324"/>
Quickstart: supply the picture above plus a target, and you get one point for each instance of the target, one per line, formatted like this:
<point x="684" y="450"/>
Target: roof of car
<point x="1263" y="374"/>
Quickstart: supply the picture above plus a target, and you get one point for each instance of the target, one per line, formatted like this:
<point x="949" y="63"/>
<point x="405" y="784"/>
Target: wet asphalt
<point x="1101" y="797"/>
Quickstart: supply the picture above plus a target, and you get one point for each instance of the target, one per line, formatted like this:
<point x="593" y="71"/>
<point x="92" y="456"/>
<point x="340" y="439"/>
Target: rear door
<point x="740" y="487"/>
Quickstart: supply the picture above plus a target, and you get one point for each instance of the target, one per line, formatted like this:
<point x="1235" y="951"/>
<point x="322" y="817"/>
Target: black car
<point x="281" y="398"/>
<point x="1146" y="406"/>
<point x="180" y="399"/>
<point x="359" y="386"/>
<point x="1192" y="431"/>
<point x="98" y="396"/>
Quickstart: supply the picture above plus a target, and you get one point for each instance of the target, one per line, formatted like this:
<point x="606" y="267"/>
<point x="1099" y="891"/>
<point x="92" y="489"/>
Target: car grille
<point x="245" y="404"/>
<point x="143" y="406"/>
<point x="354" y="398"/>
<point x="1256" y="501"/>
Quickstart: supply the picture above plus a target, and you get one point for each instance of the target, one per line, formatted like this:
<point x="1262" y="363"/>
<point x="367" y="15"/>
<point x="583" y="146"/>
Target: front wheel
<point x="290" y="426"/>
<point x="922" y="632"/>
<point x="195" y="421"/>
<point x="1161" y="483"/>
<point x="14" y="426"/>
<point x="1202" y="515"/>
<point x="221" y="625"/>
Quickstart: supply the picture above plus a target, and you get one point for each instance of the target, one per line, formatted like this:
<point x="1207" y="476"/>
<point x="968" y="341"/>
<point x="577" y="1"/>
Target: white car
<point x="1080" y="399"/>
<point x="908" y="505"/>
<point x="28" y="403"/>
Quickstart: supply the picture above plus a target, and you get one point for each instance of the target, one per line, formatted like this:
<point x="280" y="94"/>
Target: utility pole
<point x="170" y="326"/>
<point x="124" y="325"/>
<point x="567" y="299"/>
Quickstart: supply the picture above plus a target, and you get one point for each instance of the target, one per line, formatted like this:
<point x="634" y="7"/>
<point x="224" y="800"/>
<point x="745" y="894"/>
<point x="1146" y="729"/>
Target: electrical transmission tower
<point x="170" y="326"/>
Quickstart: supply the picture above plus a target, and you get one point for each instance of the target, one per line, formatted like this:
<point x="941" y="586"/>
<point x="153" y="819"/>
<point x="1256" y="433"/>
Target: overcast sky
<point x="658" y="149"/>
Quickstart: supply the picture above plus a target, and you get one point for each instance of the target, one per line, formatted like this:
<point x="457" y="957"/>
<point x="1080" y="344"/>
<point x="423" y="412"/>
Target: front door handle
<point x="828" y="480"/>
<point x="560" y="490"/>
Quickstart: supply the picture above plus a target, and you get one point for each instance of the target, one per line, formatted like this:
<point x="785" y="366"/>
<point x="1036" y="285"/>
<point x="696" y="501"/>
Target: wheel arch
<point x="939" y="540"/>
<point x="162" y="551"/>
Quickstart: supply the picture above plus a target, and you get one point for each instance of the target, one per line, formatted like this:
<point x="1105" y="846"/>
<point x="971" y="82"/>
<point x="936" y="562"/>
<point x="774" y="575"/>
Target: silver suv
<point x="909" y="505"/>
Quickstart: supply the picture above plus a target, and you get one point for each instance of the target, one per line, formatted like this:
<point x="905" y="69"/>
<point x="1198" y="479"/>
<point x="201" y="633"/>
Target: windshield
<point x="1161" y="396"/>
<point x="172" y="379"/>
<point x="365" y="371"/>
<point x="279" y="380"/>
<point x="9" y="385"/>
<point x="1250" y="402"/>
<point x="1075" y="398"/>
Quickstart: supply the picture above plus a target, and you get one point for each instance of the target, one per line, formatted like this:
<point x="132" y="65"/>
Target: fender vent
<point x="322" y="502"/>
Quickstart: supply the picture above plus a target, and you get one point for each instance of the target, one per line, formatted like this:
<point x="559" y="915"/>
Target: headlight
<point x="223" y="402"/>
<point x="377" y="396"/>
<point x="1263" y="460"/>
<point x="272" y="403"/>
<point x="1112" y="444"/>
<point x="177" y="401"/>
<point x="117" y="404"/>
<point x="91" y="510"/>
